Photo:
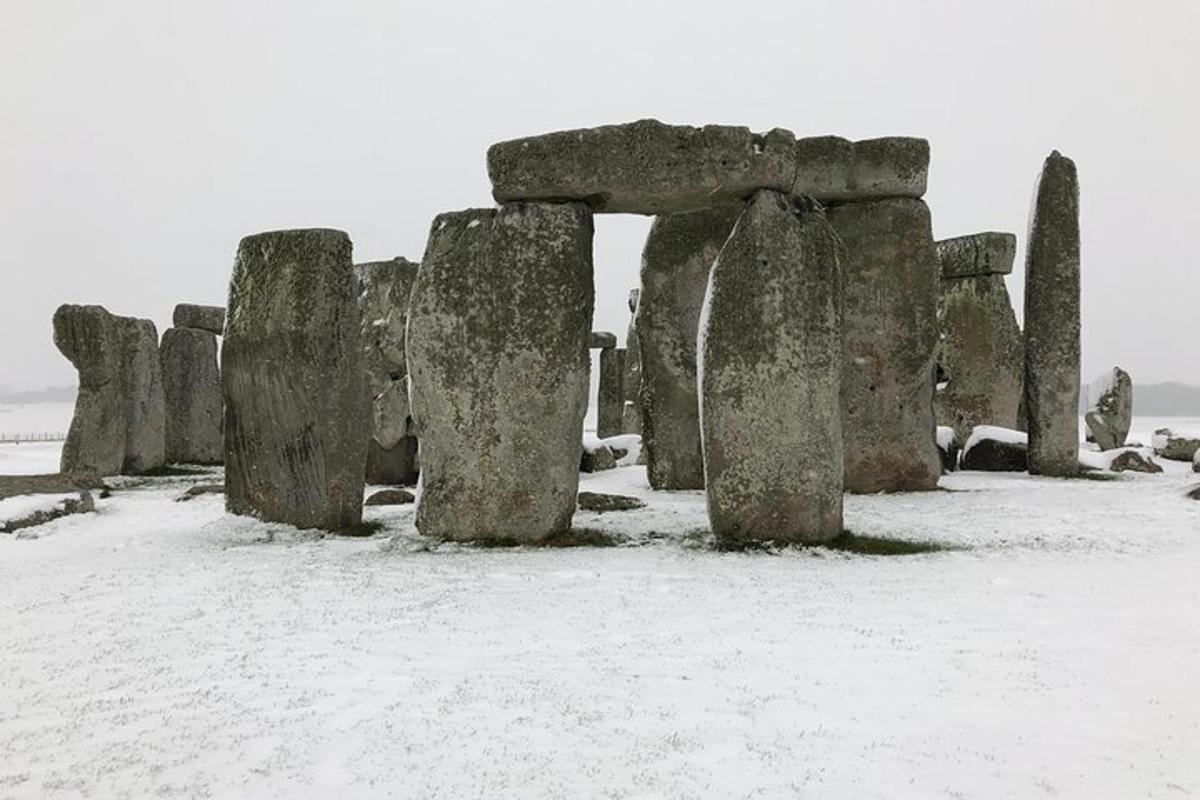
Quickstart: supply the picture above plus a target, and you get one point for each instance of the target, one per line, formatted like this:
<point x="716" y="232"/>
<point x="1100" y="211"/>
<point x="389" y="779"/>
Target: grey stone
<point x="995" y="455"/>
<point x="600" y="502"/>
<point x="1111" y="413"/>
<point x="384" y="291"/>
<point x="91" y="340"/>
<point x="54" y="483"/>
<point x="498" y="364"/>
<point x="631" y="383"/>
<point x="597" y="458"/>
<point x="769" y="412"/>
<point x="648" y="167"/>
<point x="297" y="411"/>
<point x="979" y="353"/>
<point x="1052" y="321"/>
<point x="83" y="505"/>
<point x="205" y="318"/>
<point x="192" y="492"/>
<point x="600" y="340"/>
<point x="1133" y="461"/>
<point x="890" y="334"/>
<point x="678" y="256"/>
<point x="192" y="387"/>
<point x="390" y="497"/>
<point x="1196" y="461"/>
<point x="145" y="401"/>
<point x="1175" y="446"/>
<point x="610" y="403"/>
<point x="987" y="253"/>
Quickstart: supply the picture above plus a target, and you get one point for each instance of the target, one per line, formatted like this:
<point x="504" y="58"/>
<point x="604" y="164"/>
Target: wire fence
<point x="41" y="436"/>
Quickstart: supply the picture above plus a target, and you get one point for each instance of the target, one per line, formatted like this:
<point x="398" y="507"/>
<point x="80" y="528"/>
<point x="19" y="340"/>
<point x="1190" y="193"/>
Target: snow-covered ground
<point x="161" y="648"/>
<point x="34" y="419"/>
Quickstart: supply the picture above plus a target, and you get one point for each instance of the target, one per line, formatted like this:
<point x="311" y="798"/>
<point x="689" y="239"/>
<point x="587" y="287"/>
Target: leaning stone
<point x="833" y="169"/>
<point x="1052" y="321"/>
<point x="1175" y="446"/>
<point x="890" y="335"/>
<point x="390" y="497"/>
<point x="769" y="412"/>
<point x="205" y="318"/>
<point x="601" y="340"/>
<point x="297" y="412"/>
<point x="499" y="412"/>
<point x="1133" y="461"/>
<point x="644" y="167"/>
<point x="988" y="253"/>
<point x="90" y="338"/>
<point x="600" y="502"/>
<point x="609" y="402"/>
<point x="995" y="449"/>
<point x="631" y="382"/>
<point x="1111" y="413"/>
<point x="192" y="388"/>
<point x="979" y="353"/>
<point x="676" y="262"/>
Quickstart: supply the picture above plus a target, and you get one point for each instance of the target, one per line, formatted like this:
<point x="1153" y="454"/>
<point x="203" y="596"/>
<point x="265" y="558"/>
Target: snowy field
<point x="26" y="419"/>
<point x="166" y="649"/>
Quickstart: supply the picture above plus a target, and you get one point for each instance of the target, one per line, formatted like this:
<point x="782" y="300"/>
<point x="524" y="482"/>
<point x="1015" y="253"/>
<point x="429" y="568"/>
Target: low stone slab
<point x="391" y="497"/>
<point x="600" y="502"/>
<point x="988" y="253"/>
<point x="1175" y="446"/>
<point x="205" y="318"/>
<point x="192" y="387"/>
<point x="649" y="167"/>
<point x="200" y="489"/>
<point x="54" y="483"/>
<point x="1133" y="461"/>
<point x="995" y="449"/>
<point x="83" y="505"/>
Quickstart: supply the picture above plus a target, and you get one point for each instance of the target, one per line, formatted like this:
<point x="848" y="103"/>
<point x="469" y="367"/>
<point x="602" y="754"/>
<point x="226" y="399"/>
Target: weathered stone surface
<point x="1052" y="321"/>
<point x="384" y="291"/>
<point x="600" y="340"/>
<point x="90" y="339"/>
<point x="145" y="402"/>
<point x="890" y="333"/>
<point x="676" y="262"/>
<point x="600" y="502"/>
<point x="979" y="354"/>
<point x="498" y="362"/>
<point x="192" y="492"/>
<point x="1175" y="446"/>
<point x="390" y="497"/>
<point x="192" y="387"/>
<point x="648" y="167"/>
<point x="205" y="318"/>
<point x="54" y="483"/>
<point x="631" y="384"/>
<point x="769" y="411"/>
<point x="994" y="449"/>
<point x="597" y="457"/>
<point x="1111" y="412"/>
<point x="987" y="253"/>
<point x="1133" y="461"/>
<point x="83" y="505"/>
<point x="297" y="410"/>
<point x="610" y="402"/>
<point x="833" y="169"/>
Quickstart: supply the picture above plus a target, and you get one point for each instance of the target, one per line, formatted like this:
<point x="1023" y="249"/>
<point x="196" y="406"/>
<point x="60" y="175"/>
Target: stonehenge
<point x="192" y="386"/>
<point x="204" y="318"/>
<point x="384" y="288"/>
<point x="769" y="392"/>
<point x="297" y="410"/>
<point x="610" y="402"/>
<point x="631" y="380"/>
<point x="1052" y="321"/>
<point x="979" y="355"/>
<point x="1111" y="411"/>
<point x="498" y="335"/>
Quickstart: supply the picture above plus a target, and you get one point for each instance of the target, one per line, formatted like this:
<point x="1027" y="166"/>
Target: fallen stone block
<point x="1175" y="446"/>
<point x="994" y="449"/>
<point x="600" y="502"/>
<point x="390" y="497"/>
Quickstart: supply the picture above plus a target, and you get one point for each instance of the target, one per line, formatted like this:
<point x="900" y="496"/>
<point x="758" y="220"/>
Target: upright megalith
<point x="204" y="318"/>
<point x="890" y="333"/>
<point x="297" y="409"/>
<point x="979" y="355"/>
<point x="610" y="401"/>
<point x="384" y="290"/>
<point x="1110" y="414"/>
<point x="1052" y="321"/>
<point x="679" y="253"/>
<point x="192" y="387"/>
<point x="498" y="363"/>
<point x="769" y="390"/>
<point x="90" y="338"/>
<point x="145" y="402"/>
<point x="631" y="381"/>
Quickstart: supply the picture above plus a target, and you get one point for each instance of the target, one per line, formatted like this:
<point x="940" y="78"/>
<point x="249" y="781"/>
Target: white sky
<point x="140" y="140"/>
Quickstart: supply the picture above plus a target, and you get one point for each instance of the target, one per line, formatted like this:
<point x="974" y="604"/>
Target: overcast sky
<point x="140" y="140"/>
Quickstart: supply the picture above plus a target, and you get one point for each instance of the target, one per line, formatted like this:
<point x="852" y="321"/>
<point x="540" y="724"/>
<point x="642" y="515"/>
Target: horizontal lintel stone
<point x="988" y="253"/>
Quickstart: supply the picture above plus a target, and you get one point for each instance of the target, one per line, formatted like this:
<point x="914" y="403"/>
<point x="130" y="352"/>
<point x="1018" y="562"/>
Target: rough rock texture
<point x="390" y="497"/>
<point x="631" y="382"/>
<point x="145" y="402"/>
<point x="597" y="457"/>
<point x="83" y="505"/>
<point x="676" y="261"/>
<point x="600" y="502"/>
<point x="205" y="318"/>
<point x="384" y="291"/>
<point x="90" y="339"/>
<point x="1133" y="461"/>
<point x="610" y="402"/>
<point x="192" y="492"/>
<point x="192" y="387"/>
<point x="979" y="354"/>
<point x="769" y="410"/>
<point x="1052" y="321"/>
<point x="55" y="483"/>
<point x="995" y="455"/>
<point x="648" y="167"/>
<point x="1175" y="446"/>
<point x="1111" y="412"/>
<point x="498" y="361"/>
<point x="297" y="410"/>
<point x="600" y="340"/>
<point x="890" y="333"/>
<point x="987" y="253"/>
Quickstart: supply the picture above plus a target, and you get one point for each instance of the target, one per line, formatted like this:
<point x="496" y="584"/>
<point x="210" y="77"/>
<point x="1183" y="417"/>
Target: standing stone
<point x="631" y="383"/>
<point x="205" y="318"/>
<point x="890" y="331"/>
<point x="297" y="411"/>
<point x="1052" y="321"/>
<point x="192" y="387"/>
<point x="979" y="354"/>
<point x="610" y="401"/>
<point x="384" y="290"/>
<point x="145" y="402"/>
<point x="498" y="363"/>
<point x="676" y="261"/>
<point x="1111" y="413"/>
<point x="88" y="336"/>
<point x="769" y="390"/>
